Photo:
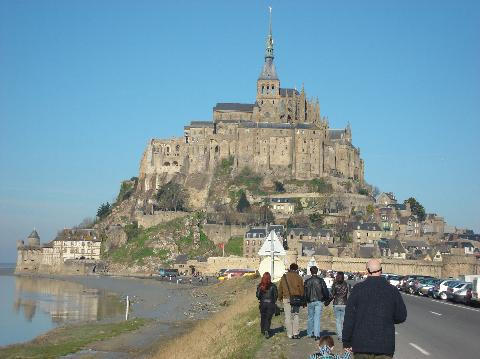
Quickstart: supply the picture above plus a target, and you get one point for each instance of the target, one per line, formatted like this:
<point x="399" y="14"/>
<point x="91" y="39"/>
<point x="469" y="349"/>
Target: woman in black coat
<point x="267" y="295"/>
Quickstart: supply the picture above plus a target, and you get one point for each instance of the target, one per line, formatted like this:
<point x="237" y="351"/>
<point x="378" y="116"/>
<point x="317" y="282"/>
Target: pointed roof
<point x="268" y="71"/>
<point x="34" y="234"/>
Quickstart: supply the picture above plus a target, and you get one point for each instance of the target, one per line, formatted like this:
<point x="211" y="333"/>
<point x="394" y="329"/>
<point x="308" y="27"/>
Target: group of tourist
<point x="364" y="318"/>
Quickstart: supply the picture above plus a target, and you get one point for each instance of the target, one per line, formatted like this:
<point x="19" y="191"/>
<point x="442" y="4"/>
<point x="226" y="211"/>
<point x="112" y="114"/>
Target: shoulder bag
<point x="295" y="300"/>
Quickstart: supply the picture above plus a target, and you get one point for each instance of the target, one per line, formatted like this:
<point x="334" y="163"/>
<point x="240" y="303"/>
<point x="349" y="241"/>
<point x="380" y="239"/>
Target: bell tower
<point x="268" y="84"/>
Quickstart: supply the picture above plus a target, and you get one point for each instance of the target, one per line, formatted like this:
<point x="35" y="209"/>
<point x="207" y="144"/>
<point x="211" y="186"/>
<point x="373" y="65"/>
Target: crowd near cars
<point x="459" y="290"/>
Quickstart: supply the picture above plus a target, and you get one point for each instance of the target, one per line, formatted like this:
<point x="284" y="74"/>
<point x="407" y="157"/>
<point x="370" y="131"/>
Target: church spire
<point x="268" y="70"/>
<point x="269" y="42"/>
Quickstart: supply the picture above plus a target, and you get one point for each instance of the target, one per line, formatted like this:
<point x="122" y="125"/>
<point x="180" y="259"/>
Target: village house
<point x="433" y="224"/>
<point x="391" y="248"/>
<point x="295" y="235"/>
<point x="408" y="227"/>
<point x="309" y="249"/>
<point x="365" y="232"/>
<point x="77" y="244"/>
<point x="285" y="206"/>
<point x="385" y="198"/>
<point x="255" y="236"/>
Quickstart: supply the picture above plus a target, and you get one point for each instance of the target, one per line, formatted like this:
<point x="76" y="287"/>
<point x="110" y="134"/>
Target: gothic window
<point x="177" y="148"/>
<point x="217" y="149"/>
<point x="166" y="164"/>
<point x="263" y="91"/>
<point x="175" y="163"/>
<point x="268" y="89"/>
<point x="168" y="149"/>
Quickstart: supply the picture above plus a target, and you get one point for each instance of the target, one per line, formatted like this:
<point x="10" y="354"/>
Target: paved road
<point x="438" y="329"/>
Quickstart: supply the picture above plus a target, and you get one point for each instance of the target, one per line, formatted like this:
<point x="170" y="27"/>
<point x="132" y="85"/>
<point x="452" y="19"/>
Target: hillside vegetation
<point x="159" y="245"/>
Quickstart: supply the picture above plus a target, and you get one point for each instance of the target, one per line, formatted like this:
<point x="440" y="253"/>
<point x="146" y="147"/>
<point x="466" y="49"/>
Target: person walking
<point x="316" y="292"/>
<point x="373" y="309"/>
<point x="291" y="285"/>
<point x="267" y="294"/>
<point x="339" y="297"/>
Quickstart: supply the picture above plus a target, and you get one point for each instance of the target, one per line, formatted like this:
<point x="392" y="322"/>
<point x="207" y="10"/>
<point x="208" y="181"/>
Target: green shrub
<point x="234" y="246"/>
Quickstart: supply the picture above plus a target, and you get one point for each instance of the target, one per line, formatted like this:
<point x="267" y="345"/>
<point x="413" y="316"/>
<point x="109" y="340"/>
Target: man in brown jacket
<point x="291" y="284"/>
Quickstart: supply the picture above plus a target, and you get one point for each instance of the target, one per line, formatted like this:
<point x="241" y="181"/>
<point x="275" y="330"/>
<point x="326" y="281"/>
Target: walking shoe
<point x="267" y="334"/>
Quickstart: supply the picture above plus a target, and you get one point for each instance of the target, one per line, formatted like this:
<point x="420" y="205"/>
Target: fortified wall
<point x="451" y="266"/>
<point x="221" y="233"/>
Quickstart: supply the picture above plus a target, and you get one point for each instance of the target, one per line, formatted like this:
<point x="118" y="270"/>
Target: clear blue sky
<point x="85" y="84"/>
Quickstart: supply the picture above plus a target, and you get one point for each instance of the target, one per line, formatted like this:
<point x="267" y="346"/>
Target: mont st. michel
<point x="207" y="200"/>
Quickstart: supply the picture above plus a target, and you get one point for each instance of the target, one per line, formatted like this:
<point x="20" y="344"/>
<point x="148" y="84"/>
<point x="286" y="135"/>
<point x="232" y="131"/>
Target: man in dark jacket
<point x="316" y="292"/>
<point x="373" y="309"/>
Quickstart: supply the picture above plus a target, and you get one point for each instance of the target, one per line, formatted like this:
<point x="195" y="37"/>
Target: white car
<point x="394" y="280"/>
<point x="440" y="290"/>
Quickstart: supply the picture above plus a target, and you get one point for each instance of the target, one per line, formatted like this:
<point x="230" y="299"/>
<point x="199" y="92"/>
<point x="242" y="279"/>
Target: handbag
<point x="296" y="300"/>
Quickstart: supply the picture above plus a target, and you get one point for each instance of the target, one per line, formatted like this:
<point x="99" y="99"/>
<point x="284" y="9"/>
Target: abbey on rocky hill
<point x="282" y="134"/>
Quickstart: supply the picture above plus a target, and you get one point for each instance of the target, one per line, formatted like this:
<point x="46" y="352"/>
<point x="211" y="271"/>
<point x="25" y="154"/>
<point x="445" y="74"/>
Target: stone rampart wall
<point x="219" y="233"/>
<point x="149" y="220"/>
<point x="452" y="266"/>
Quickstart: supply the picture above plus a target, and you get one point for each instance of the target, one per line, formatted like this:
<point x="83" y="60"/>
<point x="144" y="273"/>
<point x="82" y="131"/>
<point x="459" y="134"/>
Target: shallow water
<point x="30" y="306"/>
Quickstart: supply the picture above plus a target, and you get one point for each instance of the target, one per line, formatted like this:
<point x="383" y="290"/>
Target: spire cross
<point x="270" y="9"/>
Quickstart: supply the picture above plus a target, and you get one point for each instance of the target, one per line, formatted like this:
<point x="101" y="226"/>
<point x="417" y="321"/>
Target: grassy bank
<point x="69" y="339"/>
<point x="231" y="333"/>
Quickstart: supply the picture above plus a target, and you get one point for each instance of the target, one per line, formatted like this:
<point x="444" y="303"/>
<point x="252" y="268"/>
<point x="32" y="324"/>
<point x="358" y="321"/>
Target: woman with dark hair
<point x="267" y="295"/>
<point x="339" y="296"/>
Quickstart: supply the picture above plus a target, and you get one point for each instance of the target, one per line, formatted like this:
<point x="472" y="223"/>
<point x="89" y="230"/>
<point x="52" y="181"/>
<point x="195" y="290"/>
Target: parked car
<point x="463" y="295"/>
<point x="235" y="273"/>
<point x="440" y="291"/>
<point x="427" y="288"/>
<point x="451" y="290"/>
<point x="394" y="280"/>
<point x="168" y="272"/>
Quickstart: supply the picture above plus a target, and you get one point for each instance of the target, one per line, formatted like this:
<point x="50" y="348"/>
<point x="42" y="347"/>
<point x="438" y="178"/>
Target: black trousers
<point x="266" y="313"/>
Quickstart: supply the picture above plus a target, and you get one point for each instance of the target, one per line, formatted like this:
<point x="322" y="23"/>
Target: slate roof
<point x="308" y="231"/>
<point x="34" y="234"/>
<point x="258" y="232"/>
<point x="336" y="134"/>
<point x="268" y="70"/>
<point x="234" y="107"/>
<point x="278" y="228"/>
<point x="366" y="252"/>
<point x="418" y="243"/>
<point x="398" y="206"/>
<point x="288" y="92"/>
<point x="366" y="226"/>
<point x="251" y="124"/>
<point x="201" y="124"/>
<point x="391" y="243"/>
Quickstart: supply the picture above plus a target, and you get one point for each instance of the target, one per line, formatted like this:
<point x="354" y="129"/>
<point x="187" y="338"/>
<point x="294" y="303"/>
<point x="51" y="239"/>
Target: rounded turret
<point x="33" y="239"/>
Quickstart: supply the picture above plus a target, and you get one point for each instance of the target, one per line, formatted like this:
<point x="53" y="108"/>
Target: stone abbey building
<point x="281" y="134"/>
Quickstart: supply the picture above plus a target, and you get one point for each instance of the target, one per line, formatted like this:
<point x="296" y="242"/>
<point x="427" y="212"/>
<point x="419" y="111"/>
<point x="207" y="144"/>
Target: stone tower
<point x="33" y="240"/>
<point x="268" y="83"/>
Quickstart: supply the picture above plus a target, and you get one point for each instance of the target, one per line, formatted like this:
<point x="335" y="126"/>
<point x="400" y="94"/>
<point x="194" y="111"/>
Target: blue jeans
<point x="314" y="315"/>
<point x="339" y="311"/>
